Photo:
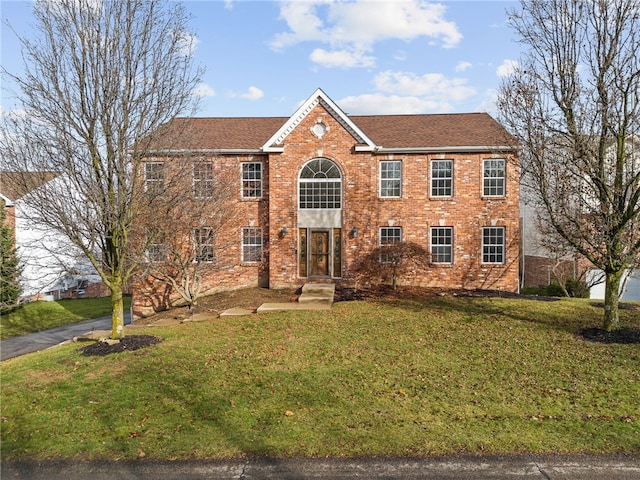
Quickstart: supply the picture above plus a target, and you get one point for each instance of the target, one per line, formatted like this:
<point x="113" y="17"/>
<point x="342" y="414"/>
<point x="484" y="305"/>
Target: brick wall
<point x="467" y="212"/>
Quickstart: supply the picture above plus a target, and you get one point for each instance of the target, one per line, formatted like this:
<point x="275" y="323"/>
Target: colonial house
<point x="318" y="191"/>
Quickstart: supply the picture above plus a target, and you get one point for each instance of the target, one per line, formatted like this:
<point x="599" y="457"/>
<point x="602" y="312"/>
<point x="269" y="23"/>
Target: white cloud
<point x="203" y="90"/>
<point x="355" y="26"/>
<point x="433" y="86"/>
<point x="463" y="66"/>
<point x="380" y="104"/>
<point x="507" y="68"/>
<point x="253" y="93"/>
<point x="341" y="58"/>
<point x="187" y="42"/>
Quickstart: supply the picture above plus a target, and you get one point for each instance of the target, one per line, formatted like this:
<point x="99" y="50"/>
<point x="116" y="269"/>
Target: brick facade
<point x="358" y="157"/>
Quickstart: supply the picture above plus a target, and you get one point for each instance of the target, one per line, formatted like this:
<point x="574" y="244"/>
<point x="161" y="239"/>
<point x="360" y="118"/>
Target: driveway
<point x="34" y="342"/>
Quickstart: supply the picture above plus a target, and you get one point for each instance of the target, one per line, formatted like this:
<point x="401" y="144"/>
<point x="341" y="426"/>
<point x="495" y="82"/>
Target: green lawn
<point x="443" y="375"/>
<point x="38" y="316"/>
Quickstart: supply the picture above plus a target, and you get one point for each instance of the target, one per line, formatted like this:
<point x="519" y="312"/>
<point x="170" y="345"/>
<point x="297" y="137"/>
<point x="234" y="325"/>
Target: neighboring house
<point x="320" y="189"/>
<point x="44" y="255"/>
<point x="545" y="259"/>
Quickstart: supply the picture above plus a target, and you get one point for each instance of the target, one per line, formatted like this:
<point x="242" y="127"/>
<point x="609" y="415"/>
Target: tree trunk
<point x="117" y="311"/>
<point x="611" y="300"/>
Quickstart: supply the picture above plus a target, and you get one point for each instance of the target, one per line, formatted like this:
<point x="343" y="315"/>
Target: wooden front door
<point x="319" y="254"/>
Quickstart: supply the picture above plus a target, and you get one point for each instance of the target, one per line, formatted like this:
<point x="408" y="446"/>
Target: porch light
<point x="354" y="232"/>
<point x="283" y="232"/>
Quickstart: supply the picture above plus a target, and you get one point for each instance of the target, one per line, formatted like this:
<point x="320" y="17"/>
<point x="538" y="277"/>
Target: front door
<point x="319" y="254"/>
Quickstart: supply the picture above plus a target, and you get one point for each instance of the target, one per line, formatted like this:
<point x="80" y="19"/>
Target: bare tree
<point x="188" y="235"/>
<point x="573" y="103"/>
<point x="100" y="77"/>
<point x="392" y="262"/>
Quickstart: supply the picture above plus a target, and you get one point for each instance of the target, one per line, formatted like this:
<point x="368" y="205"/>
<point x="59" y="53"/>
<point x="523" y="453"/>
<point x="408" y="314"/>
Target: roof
<point x="15" y="185"/>
<point x="378" y="132"/>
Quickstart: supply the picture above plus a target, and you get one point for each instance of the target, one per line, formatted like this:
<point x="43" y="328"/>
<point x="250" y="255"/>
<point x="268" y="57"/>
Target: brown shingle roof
<point x="436" y="130"/>
<point x="15" y="185"/>
<point x="388" y="131"/>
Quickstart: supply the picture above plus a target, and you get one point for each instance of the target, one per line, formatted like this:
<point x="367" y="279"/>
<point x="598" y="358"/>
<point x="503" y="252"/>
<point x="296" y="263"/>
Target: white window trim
<point x="243" y="180"/>
<point x="381" y="245"/>
<point x="432" y="178"/>
<point x="503" y="245"/>
<point x="504" y="178"/>
<point x="194" y="182"/>
<point x="380" y="179"/>
<point x="431" y="245"/>
<point x="197" y="245"/>
<point x="243" y="244"/>
<point x="335" y="181"/>
<point x="158" y="183"/>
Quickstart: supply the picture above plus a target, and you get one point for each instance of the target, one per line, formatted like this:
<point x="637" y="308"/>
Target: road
<point x="548" y="467"/>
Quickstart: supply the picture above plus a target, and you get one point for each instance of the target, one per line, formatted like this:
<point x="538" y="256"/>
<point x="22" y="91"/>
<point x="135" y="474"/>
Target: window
<point x="203" y="244"/>
<point x="442" y="178"/>
<point x="493" y="174"/>
<point x="154" y="177"/>
<point x="156" y="252"/>
<point x="320" y="185"/>
<point x="493" y="245"/>
<point x="203" y="180"/>
<point x="442" y="244"/>
<point x="389" y="236"/>
<point x="252" y="244"/>
<point x="252" y="180"/>
<point x="390" y="178"/>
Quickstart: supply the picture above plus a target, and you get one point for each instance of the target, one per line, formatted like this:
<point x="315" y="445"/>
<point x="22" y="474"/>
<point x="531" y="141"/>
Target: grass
<point x="38" y="316"/>
<point x="438" y="376"/>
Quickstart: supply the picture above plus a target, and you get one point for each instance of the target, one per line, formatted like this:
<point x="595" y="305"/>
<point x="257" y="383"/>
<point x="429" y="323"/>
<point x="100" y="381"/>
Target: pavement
<point x="544" y="467"/>
<point x="34" y="342"/>
<point x="551" y="467"/>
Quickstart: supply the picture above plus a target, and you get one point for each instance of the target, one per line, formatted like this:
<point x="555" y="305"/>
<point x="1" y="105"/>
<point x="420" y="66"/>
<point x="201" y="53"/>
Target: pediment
<point x="276" y="142"/>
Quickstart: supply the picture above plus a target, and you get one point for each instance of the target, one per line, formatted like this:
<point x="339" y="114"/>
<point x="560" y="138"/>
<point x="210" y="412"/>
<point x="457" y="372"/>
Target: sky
<point x="371" y="57"/>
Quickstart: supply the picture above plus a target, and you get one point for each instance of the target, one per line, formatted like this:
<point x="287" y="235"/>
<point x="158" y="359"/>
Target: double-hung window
<point x="391" y="178"/>
<point x="252" y="180"/>
<point x="389" y="236"/>
<point x="442" y="244"/>
<point x="203" y="180"/>
<point x="203" y="244"/>
<point x="154" y="177"/>
<point x="251" y="244"/>
<point x="441" y="178"/>
<point x="156" y="252"/>
<point x="493" y="177"/>
<point x="493" y="244"/>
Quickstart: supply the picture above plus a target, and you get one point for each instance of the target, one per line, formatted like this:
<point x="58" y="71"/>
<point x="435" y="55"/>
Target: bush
<point x="577" y="288"/>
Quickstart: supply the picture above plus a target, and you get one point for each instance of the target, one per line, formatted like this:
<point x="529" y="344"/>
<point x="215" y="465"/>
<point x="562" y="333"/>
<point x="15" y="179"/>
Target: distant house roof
<point x="15" y="185"/>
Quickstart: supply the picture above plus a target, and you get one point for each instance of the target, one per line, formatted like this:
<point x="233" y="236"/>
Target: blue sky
<point x="264" y="58"/>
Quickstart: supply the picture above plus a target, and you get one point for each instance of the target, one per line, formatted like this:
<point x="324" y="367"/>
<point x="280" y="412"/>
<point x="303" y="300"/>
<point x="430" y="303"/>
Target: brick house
<point x="320" y="189"/>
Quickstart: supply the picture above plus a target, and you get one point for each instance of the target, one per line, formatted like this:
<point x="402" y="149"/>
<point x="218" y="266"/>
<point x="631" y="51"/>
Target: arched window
<point x="320" y="184"/>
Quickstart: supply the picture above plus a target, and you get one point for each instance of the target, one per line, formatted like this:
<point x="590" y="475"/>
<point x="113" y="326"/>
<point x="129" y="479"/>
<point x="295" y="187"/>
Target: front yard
<point x="399" y="376"/>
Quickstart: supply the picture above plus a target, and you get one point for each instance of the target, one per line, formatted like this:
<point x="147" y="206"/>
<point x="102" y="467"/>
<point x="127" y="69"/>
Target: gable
<point x="274" y="144"/>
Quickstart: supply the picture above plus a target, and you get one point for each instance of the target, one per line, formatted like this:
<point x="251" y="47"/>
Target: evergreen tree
<point x="9" y="265"/>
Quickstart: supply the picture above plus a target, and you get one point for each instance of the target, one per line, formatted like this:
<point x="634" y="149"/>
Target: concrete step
<point x="319" y="288"/>
<point x="282" y="307"/>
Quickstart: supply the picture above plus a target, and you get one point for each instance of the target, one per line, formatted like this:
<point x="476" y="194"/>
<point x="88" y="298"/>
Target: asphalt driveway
<point x="34" y="342"/>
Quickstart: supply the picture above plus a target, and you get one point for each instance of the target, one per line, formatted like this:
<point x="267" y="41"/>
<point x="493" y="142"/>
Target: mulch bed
<point x="126" y="344"/>
<point x="621" y="336"/>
